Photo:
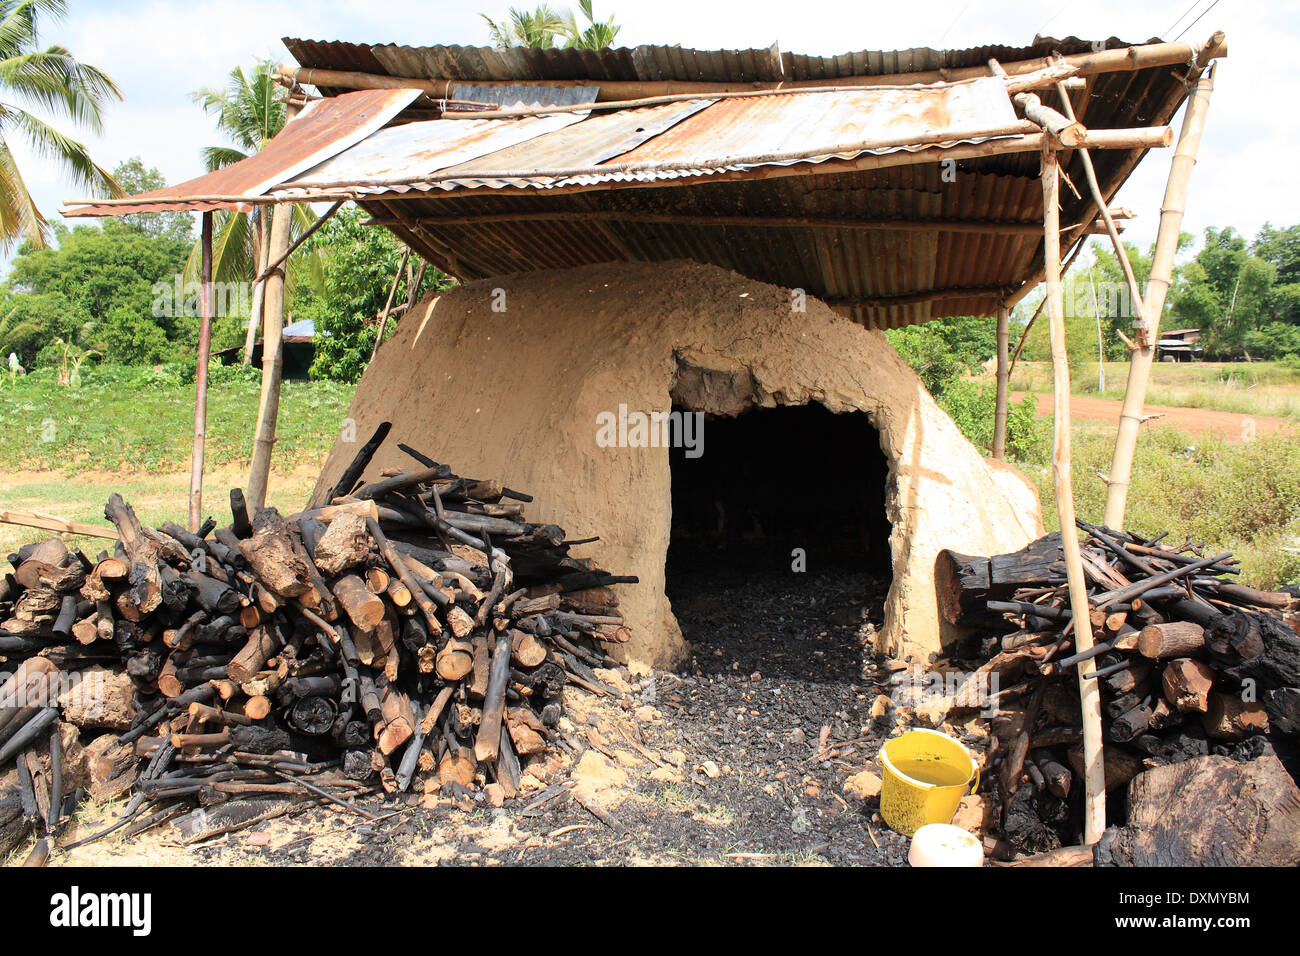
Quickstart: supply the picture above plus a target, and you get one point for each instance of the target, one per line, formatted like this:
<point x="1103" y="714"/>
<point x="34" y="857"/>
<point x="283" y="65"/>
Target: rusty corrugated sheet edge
<point x="661" y="62"/>
<point x="324" y="129"/>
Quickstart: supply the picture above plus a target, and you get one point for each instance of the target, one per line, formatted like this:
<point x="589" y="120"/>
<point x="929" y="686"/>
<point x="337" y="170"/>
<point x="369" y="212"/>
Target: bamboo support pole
<point x="34" y="519"/>
<point x="201" y="378"/>
<point x="388" y="305"/>
<point x="268" y="409"/>
<point x="1024" y="335"/>
<point x="1004" y="378"/>
<point x="259" y="284"/>
<point x="1090" y="173"/>
<point x="1094" y="814"/>
<point x="1141" y="357"/>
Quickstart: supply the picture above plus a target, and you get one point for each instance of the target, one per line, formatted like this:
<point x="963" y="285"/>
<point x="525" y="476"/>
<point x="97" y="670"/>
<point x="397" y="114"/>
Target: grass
<point x="1247" y="388"/>
<point x="65" y="450"/>
<point x="1239" y="498"/>
<point x="150" y="429"/>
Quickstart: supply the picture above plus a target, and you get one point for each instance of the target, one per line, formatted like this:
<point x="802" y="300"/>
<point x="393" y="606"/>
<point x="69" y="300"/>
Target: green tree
<point x="1224" y="291"/>
<point x="52" y="81"/>
<point x="135" y="178"/>
<point x="941" y="351"/>
<point x="1280" y="248"/>
<point x="357" y="271"/>
<point x="107" y="289"/>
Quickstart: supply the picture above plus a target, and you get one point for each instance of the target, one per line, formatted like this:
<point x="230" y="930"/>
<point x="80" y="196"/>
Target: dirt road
<point x="1229" y="426"/>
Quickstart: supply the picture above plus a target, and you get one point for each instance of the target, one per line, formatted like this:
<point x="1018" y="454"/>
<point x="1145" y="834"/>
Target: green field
<point x="1242" y="498"/>
<point x="64" y="450"/>
<point x="149" y="428"/>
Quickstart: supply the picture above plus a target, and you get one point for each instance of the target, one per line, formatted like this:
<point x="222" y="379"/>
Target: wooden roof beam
<point x="981" y="226"/>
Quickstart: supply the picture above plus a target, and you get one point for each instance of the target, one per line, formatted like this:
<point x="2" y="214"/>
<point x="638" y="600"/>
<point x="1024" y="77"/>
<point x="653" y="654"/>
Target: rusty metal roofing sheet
<point x="660" y="62"/>
<point x="601" y="137"/>
<point x="693" y="138"/>
<point x="526" y="63"/>
<point x="826" y="123"/>
<point x="322" y="129"/>
<point x="424" y="148"/>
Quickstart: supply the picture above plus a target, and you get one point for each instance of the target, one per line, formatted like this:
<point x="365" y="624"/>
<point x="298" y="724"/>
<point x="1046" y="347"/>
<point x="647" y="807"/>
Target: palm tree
<point x="538" y="28"/>
<point x="54" y="81"/>
<point x="542" y="27"/>
<point x="250" y="112"/>
<point x="596" y="36"/>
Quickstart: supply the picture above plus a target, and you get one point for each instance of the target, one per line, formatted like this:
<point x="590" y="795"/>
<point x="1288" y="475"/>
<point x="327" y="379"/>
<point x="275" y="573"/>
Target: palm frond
<point x="53" y="79"/>
<point x="19" y="217"/>
<point x="54" y="145"/>
<point x="219" y="157"/>
<point x="19" y="23"/>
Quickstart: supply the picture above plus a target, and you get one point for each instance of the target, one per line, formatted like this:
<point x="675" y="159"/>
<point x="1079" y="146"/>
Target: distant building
<point x="1178" y="345"/>
<point x="299" y="350"/>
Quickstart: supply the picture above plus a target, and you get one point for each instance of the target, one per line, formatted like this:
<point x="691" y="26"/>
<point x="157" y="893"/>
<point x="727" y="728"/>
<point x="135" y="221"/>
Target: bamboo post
<point x="259" y="286"/>
<point x="388" y="306"/>
<point x="259" y="469"/>
<point x="201" y="377"/>
<point x="1004" y="378"/>
<point x="1153" y="303"/>
<point x="1094" y="813"/>
<point x="1090" y="173"/>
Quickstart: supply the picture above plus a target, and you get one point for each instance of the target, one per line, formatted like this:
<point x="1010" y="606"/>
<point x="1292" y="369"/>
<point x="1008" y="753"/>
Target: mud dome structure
<point x="519" y="394"/>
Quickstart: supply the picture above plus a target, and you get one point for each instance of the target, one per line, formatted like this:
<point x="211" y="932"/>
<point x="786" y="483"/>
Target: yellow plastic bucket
<point x="926" y="774"/>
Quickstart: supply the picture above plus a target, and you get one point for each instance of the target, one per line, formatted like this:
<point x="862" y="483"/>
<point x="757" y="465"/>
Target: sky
<point x="159" y="51"/>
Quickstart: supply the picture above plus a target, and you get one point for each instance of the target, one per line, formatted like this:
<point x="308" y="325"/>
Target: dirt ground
<point x="738" y="759"/>
<point x="1229" y="426"/>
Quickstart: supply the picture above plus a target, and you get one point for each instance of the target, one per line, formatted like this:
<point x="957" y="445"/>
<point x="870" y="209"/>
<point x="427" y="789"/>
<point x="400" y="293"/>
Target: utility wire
<point x="1185" y="14"/>
<point x="1197" y="20"/>
<point x="954" y="21"/>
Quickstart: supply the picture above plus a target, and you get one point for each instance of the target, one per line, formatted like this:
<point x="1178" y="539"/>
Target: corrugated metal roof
<point x="323" y="129"/>
<point x="423" y="148"/>
<point x="524" y="63"/>
<point x="827" y="230"/>
<point x="660" y="63"/>
<point x="692" y="138"/>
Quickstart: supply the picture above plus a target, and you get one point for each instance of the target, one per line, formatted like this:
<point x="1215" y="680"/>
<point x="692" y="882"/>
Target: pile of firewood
<point x="1189" y="663"/>
<point x="413" y="633"/>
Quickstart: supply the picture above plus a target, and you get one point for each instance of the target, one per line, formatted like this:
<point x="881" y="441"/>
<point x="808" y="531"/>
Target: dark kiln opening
<point x="779" y="545"/>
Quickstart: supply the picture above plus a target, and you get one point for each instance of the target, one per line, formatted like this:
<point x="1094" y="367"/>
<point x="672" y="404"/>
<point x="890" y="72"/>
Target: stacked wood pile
<point x="1189" y="662"/>
<point x="413" y="633"/>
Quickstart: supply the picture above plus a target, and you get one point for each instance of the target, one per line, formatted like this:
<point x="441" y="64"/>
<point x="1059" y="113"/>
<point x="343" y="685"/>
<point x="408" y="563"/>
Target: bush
<point x="942" y="350"/>
<point x="971" y="406"/>
<point x="1274" y="340"/>
<point x="1239" y="498"/>
<point x="128" y="338"/>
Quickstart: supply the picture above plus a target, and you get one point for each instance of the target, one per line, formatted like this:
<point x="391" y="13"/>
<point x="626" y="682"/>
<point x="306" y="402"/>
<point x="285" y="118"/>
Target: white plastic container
<point x="942" y="844"/>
